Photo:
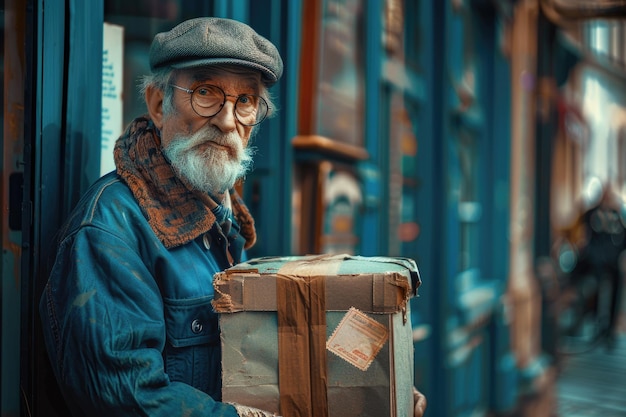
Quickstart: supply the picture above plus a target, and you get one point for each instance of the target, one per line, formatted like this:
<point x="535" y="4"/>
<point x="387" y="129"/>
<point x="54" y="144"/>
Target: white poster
<point x="112" y="85"/>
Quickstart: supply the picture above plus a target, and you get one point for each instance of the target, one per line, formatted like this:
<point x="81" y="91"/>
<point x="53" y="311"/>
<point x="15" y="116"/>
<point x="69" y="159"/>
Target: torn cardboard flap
<point x="323" y="264"/>
<point x="350" y="282"/>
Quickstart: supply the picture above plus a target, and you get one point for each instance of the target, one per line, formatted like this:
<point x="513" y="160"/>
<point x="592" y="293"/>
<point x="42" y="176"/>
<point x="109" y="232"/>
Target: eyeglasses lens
<point x="250" y="110"/>
<point x="208" y="100"/>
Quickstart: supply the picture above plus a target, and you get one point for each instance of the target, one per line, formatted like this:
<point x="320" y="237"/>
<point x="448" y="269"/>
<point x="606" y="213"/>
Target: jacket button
<point x="196" y="326"/>
<point x="206" y="239"/>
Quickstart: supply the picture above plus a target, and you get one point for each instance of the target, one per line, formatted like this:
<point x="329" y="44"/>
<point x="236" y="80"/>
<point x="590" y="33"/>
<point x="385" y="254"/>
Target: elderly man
<point x="126" y="313"/>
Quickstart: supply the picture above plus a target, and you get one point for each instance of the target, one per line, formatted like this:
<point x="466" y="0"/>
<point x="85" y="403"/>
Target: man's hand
<point x="420" y="403"/>
<point x="244" y="411"/>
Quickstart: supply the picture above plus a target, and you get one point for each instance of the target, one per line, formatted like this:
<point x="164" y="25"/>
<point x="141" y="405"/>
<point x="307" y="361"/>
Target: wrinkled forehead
<point x="237" y="76"/>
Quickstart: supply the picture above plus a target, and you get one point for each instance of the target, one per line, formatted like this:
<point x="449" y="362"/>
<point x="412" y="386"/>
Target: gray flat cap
<point x="211" y="40"/>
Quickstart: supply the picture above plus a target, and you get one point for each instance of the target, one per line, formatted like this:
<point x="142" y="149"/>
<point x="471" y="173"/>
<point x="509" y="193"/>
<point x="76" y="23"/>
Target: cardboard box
<point x="323" y="336"/>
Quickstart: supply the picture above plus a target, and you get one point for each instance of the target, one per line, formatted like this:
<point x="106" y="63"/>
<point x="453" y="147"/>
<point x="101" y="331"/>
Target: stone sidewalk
<point x="594" y="383"/>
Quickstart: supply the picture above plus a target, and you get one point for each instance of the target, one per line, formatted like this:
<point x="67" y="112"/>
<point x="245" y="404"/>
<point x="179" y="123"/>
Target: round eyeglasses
<point x="207" y="100"/>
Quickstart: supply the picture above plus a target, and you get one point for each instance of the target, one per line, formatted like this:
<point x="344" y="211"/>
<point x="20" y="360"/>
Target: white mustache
<point x="207" y="134"/>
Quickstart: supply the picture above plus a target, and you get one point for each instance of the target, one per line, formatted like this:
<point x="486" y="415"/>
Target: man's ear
<point x="154" y="101"/>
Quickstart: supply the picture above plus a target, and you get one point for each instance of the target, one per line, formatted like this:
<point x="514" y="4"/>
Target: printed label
<point x="358" y="339"/>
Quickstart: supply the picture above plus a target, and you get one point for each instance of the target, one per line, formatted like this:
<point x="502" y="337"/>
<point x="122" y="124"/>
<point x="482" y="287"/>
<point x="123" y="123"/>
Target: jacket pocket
<point x="192" y="352"/>
<point x="190" y="322"/>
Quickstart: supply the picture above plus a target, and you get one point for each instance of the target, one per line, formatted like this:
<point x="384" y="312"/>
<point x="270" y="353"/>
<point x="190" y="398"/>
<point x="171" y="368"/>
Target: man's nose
<point x="225" y="119"/>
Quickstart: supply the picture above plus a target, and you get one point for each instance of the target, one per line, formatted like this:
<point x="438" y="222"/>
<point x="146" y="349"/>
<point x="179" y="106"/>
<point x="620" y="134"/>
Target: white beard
<point x="211" y="170"/>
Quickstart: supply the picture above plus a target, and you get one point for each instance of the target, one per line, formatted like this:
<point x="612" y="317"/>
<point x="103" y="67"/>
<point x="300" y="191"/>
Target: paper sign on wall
<point x="112" y="88"/>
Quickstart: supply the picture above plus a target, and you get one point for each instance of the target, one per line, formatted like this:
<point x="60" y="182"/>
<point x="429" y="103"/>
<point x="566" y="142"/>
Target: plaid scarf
<point x="174" y="213"/>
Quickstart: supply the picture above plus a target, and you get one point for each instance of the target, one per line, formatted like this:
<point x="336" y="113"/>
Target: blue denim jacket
<point x="128" y="323"/>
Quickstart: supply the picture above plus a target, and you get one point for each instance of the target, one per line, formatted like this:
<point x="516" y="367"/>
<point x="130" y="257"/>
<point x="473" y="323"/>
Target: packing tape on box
<point x="301" y="311"/>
